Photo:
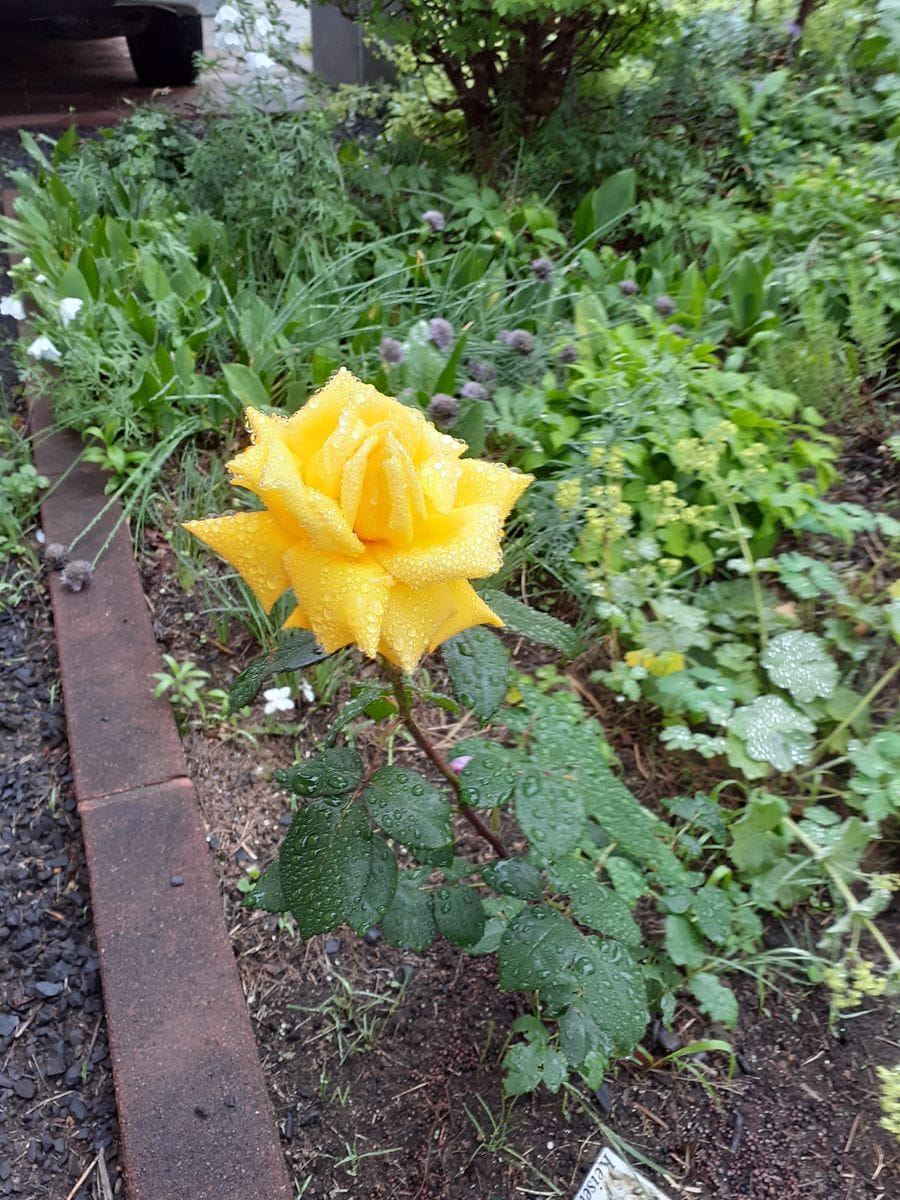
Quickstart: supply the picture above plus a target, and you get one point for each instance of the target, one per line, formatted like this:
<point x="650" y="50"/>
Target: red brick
<point x="180" y="1036"/>
<point x="120" y="735"/>
<point x="54" y="450"/>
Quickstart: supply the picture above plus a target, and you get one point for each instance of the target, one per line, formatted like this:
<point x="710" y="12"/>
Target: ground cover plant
<point x="675" y="306"/>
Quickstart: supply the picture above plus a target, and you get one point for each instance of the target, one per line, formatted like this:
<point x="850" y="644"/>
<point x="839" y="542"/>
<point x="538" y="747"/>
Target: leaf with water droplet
<point x="409" y="808"/>
<point x="478" y="663"/>
<point x="592" y="904"/>
<point x="378" y="889"/>
<point x="514" y="877"/>
<point x="409" y="919"/>
<point x="459" y="914"/>
<point x="331" y="773"/>
<point x="324" y="864"/>
<point x="266" y="893"/>
<point x="487" y="781"/>
<point x="295" y="650"/>
<point x="531" y="623"/>
<point x="537" y="950"/>
<point x="800" y="663"/>
<point x="550" y="811"/>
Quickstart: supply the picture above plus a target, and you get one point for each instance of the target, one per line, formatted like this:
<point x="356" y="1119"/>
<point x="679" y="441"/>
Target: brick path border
<point x="194" y="1116"/>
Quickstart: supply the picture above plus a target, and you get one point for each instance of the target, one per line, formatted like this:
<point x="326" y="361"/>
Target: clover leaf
<point x="800" y="663"/>
<point x="773" y="732"/>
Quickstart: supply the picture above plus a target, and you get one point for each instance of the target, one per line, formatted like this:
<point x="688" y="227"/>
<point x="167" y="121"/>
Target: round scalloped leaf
<point x="773" y="732"/>
<point x="800" y="663"/>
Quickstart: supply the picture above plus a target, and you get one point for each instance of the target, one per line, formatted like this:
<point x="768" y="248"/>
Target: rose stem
<point x="420" y="737"/>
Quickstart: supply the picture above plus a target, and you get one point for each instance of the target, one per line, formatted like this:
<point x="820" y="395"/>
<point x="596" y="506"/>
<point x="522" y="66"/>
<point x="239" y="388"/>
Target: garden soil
<point x="383" y="1065"/>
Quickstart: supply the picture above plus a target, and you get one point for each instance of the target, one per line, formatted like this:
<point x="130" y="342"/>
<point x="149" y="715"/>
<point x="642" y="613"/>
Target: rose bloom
<point x="372" y="518"/>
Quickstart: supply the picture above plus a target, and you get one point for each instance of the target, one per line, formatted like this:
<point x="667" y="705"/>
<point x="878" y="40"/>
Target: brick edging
<point x="194" y="1115"/>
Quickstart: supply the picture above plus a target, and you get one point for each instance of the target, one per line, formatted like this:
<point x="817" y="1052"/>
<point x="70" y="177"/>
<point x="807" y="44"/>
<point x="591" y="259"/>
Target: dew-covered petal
<point x="439" y="479"/>
<point x="255" y="544"/>
<point x="418" y="619"/>
<point x="490" y="483"/>
<point x="270" y="471"/>
<point x="464" y="544"/>
<point x="342" y="600"/>
<point x="297" y="620"/>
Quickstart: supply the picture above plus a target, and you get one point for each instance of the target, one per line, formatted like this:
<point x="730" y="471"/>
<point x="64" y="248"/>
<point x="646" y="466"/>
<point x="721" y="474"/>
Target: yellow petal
<point x="464" y="544"/>
<point x="297" y="620"/>
<point x="439" y="479"/>
<point x="418" y="619"/>
<point x="490" y="483"/>
<point x="341" y="600"/>
<point x="255" y="544"/>
<point x="270" y="471"/>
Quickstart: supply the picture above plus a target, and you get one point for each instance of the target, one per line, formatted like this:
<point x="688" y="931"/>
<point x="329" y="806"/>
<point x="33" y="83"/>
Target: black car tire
<point x="163" y="54"/>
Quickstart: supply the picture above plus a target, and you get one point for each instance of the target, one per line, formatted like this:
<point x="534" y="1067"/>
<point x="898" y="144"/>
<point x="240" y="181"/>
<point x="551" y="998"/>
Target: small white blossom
<point x="263" y="26"/>
<point x="261" y="61"/>
<point x="42" y="278"/>
<point x="227" y="15"/>
<point x="69" y="309"/>
<point x="277" y="700"/>
<point x="228" y="38"/>
<point x="43" y="350"/>
<point x="12" y="306"/>
<point x="306" y="692"/>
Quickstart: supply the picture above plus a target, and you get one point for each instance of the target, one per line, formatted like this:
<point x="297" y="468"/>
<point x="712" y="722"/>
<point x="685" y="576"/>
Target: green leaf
<point x="712" y="912"/>
<point x="613" y="995"/>
<point x="459" y="914"/>
<point x="715" y="999"/>
<point x="378" y="889"/>
<point x="529" y="1064"/>
<point x="488" y="780"/>
<point x="409" y="808"/>
<point x="613" y="200"/>
<point x="531" y="623"/>
<point x="246" y="385"/>
<point x="683" y="943"/>
<point x="757" y="835"/>
<point x="329" y="774"/>
<point x="367" y="696"/>
<point x="550" y="812"/>
<point x="478" y="663"/>
<point x="800" y="663"/>
<point x="514" y="877"/>
<point x="627" y="878"/>
<point x="409" y="919"/>
<point x="773" y="732"/>
<point x="266" y="892"/>
<point x="500" y="911"/>
<point x="295" y="649"/>
<point x="324" y="864"/>
<point x="73" y="283"/>
<point x="154" y="277"/>
<point x="592" y="904"/>
<point x="537" y="950"/>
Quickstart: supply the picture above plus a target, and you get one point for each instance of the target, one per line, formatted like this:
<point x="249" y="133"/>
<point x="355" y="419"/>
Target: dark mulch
<point x="55" y="1084"/>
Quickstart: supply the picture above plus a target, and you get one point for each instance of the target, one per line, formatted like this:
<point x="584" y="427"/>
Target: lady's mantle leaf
<point x="800" y="663"/>
<point x="773" y="732"/>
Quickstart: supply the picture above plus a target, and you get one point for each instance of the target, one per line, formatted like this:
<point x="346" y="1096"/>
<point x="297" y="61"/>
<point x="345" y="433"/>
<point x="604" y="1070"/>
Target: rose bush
<point x="372" y="518"/>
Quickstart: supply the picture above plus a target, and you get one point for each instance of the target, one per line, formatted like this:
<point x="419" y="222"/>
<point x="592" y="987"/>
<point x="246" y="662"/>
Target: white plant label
<point x="610" y="1178"/>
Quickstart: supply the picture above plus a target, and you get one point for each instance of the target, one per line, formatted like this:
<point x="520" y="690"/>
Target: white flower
<point x="12" y="306"/>
<point x="26" y="262"/>
<point x="277" y="700"/>
<point x="261" y="61"/>
<point x="227" y="15"/>
<point x="69" y="309"/>
<point x="43" y="350"/>
<point x="229" y="38"/>
<point x="263" y="26"/>
<point x="42" y="278"/>
<point x="306" y="692"/>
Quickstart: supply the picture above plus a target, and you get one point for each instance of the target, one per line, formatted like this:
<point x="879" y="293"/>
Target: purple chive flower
<point x="628" y="287"/>
<point x="443" y="409"/>
<point x="471" y="390"/>
<point x="390" y="350"/>
<point x="55" y="556"/>
<point x="568" y="354"/>
<point x="793" y="29"/>
<point x="435" y="218"/>
<point x="484" y="372"/>
<point x="677" y="329"/>
<point x="458" y="765"/>
<point x="664" y="305"/>
<point x="441" y="333"/>
<point x="543" y="268"/>
<point x="519" y="340"/>
<point x="77" y="574"/>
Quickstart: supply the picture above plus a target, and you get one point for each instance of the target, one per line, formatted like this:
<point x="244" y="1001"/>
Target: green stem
<point x="747" y="555"/>
<point x="861" y="706"/>
<point x="846" y="895"/>
<point x="422" y="740"/>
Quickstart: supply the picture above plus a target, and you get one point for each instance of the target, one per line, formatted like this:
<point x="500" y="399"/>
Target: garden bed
<point x="383" y="1065"/>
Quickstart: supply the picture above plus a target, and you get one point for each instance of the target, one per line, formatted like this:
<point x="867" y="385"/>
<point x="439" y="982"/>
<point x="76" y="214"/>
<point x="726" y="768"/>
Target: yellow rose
<point x="371" y="517"/>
